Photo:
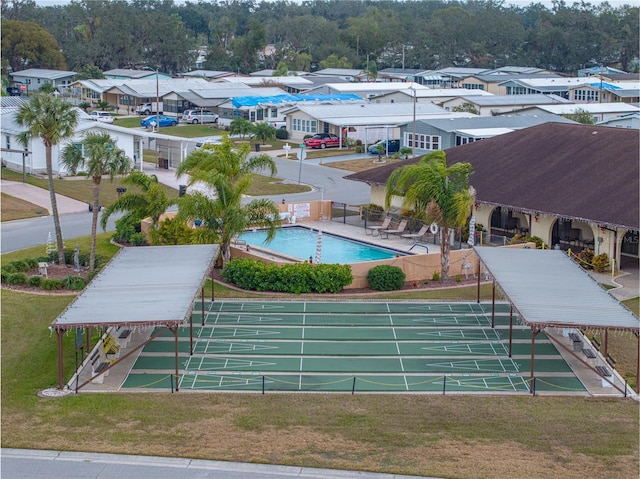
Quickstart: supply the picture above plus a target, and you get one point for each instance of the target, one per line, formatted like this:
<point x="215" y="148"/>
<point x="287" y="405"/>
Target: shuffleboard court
<point x="351" y="347"/>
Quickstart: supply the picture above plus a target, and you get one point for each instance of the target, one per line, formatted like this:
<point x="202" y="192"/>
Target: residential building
<point x="598" y="111"/>
<point x="488" y="105"/>
<point x="574" y="186"/>
<point x="31" y="80"/>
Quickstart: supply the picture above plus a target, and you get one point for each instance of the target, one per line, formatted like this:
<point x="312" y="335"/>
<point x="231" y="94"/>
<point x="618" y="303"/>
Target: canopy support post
<point x="191" y="334"/>
<point x="638" y="365"/>
<point x="479" y="272"/>
<point x="202" y="304"/>
<point x="493" y="305"/>
<point x="174" y="330"/>
<point x="534" y="333"/>
<point x="212" y="286"/>
<point x="510" y="329"/>
<point x="60" y="333"/>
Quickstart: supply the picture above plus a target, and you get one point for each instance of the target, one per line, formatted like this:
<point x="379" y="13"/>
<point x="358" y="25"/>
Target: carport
<point x="548" y="290"/>
<point x="154" y="286"/>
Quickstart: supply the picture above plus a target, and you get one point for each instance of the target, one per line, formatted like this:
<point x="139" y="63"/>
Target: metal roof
<point x="141" y="287"/>
<point x="549" y="289"/>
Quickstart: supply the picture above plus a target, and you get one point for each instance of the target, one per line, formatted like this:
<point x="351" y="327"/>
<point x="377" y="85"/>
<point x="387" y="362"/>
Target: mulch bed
<point x="54" y="271"/>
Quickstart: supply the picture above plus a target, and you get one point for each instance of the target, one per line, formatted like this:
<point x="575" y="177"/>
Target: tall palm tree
<point x="227" y="170"/>
<point x="98" y="154"/>
<point x="437" y="192"/>
<point x="148" y="200"/>
<point x="53" y="120"/>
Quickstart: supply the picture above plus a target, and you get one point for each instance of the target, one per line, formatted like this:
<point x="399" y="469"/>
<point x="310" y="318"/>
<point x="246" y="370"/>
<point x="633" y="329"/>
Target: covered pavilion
<point x="549" y="290"/>
<point x="155" y="286"/>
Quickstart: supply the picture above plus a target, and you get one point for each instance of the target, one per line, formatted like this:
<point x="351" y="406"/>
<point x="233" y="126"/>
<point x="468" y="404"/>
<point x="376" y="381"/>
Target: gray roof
<point x="43" y="73"/>
<point x="142" y="286"/>
<point x="549" y="290"/>
<point x="513" y="122"/>
<point x="531" y="99"/>
<point x="130" y="73"/>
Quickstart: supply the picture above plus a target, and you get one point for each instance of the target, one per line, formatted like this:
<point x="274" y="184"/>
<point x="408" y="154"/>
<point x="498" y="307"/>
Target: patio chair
<point x="416" y="236"/>
<point x="372" y="230"/>
<point x="399" y="230"/>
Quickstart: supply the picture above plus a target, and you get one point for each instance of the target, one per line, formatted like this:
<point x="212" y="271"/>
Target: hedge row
<point x="294" y="278"/>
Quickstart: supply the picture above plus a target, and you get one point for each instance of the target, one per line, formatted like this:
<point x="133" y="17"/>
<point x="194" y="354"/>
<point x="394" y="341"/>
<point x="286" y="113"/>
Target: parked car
<point x="214" y="140"/>
<point x="199" y="116"/>
<point x="159" y="120"/>
<point x="394" y="145"/>
<point x="322" y="140"/>
<point x="150" y="107"/>
<point x="103" y="116"/>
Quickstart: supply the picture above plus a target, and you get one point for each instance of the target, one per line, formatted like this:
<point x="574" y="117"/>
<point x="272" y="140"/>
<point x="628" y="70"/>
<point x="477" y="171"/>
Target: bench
<point x="596" y="343"/>
<point x="612" y="362"/>
<point x="124" y="334"/>
<point x="98" y="365"/>
<point x="588" y="352"/>
<point x="603" y="371"/>
<point x="577" y="341"/>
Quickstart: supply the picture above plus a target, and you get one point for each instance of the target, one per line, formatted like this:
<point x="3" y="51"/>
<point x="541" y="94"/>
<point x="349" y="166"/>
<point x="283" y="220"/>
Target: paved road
<point x="32" y="464"/>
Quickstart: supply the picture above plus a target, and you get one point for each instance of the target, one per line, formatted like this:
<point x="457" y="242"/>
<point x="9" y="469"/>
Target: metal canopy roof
<point x="142" y="286"/>
<point x="549" y="289"/>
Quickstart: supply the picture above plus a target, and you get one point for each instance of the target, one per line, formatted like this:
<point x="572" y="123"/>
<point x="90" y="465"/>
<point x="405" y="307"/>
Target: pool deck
<point x="396" y="242"/>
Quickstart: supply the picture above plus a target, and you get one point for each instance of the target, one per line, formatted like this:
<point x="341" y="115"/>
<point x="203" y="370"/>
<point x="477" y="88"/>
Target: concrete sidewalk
<point x="40" y="196"/>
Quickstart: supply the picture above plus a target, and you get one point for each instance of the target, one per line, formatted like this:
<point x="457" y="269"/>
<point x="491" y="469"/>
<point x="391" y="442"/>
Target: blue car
<point x="154" y="119"/>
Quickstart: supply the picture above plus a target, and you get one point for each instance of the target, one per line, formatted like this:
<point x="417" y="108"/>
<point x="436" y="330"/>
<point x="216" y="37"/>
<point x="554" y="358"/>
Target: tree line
<point x="317" y="34"/>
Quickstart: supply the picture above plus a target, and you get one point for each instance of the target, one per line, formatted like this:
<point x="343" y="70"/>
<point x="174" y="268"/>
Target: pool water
<point x="302" y="242"/>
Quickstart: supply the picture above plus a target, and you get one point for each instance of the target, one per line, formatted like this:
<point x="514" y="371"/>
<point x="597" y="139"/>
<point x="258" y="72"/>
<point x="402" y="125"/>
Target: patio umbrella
<point x="319" y="247"/>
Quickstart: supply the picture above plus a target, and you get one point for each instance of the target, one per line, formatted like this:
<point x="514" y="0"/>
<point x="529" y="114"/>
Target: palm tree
<point x="263" y="132"/>
<point x="53" y="120"/>
<point x="241" y="126"/>
<point x="148" y="200"/>
<point x="227" y="170"/>
<point x="100" y="156"/>
<point x="437" y="192"/>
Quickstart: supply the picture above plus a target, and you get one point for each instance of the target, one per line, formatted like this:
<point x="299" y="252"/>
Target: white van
<point x="199" y="116"/>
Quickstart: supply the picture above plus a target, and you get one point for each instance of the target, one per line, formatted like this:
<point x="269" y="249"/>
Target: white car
<point x="214" y="140"/>
<point x="103" y="116"/>
<point x="199" y="116"/>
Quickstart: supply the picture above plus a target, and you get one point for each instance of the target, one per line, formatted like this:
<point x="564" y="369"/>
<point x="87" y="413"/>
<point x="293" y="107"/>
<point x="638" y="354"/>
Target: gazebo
<point x="155" y="286"/>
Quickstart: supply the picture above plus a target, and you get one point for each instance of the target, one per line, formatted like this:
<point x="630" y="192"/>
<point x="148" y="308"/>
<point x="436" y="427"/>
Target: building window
<point x="586" y="95"/>
<point x="423" y="142"/>
<point x="304" y="126"/>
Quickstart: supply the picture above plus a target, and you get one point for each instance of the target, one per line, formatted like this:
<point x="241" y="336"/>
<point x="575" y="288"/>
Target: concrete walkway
<point x="40" y="196"/>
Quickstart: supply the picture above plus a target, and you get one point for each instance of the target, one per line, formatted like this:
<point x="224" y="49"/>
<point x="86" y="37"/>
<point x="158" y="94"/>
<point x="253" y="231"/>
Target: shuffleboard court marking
<point x="395" y="337"/>
<point x="219" y="332"/>
<point x="218" y="364"/>
<point x="472" y="320"/>
<point x="488" y="365"/>
<point x="226" y="318"/>
<point x="460" y="334"/>
<point x="213" y="347"/>
<point x="488" y="349"/>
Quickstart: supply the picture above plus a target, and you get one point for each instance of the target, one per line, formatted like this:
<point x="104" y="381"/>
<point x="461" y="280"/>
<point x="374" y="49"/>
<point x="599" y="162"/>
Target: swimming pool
<point x="301" y="242"/>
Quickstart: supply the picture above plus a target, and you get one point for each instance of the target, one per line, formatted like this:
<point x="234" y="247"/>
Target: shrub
<point x="34" y="281"/>
<point x="74" y="283"/>
<point x="19" y="266"/>
<point x="50" y="284"/>
<point x="386" y="278"/>
<point x="294" y="278"/>
<point x="126" y="227"/>
<point x="17" y="278"/>
<point x="585" y="258"/>
<point x="518" y="238"/>
<point x="282" y="134"/>
<point x="435" y="276"/>
<point x="171" y="232"/>
<point x="601" y="263"/>
<point x="32" y="262"/>
<point x="9" y="268"/>
<point x="3" y="276"/>
<point x="138" y="239"/>
<point x="458" y="278"/>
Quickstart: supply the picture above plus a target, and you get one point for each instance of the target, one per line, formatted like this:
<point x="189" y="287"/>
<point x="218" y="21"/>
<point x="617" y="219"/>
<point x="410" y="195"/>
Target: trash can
<point x="164" y="163"/>
<point x="257" y="146"/>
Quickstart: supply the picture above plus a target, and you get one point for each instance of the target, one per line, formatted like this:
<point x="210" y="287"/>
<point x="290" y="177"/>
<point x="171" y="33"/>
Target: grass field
<point x="445" y="436"/>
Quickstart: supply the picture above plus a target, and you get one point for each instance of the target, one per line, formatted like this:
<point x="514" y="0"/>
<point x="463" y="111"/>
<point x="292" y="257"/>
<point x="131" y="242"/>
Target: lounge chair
<point x="373" y="230"/>
<point x="416" y="236"/>
<point x="399" y="230"/>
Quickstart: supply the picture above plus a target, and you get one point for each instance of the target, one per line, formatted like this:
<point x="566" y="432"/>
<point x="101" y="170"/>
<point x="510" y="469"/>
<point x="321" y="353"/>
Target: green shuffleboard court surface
<point x="351" y="347"/>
